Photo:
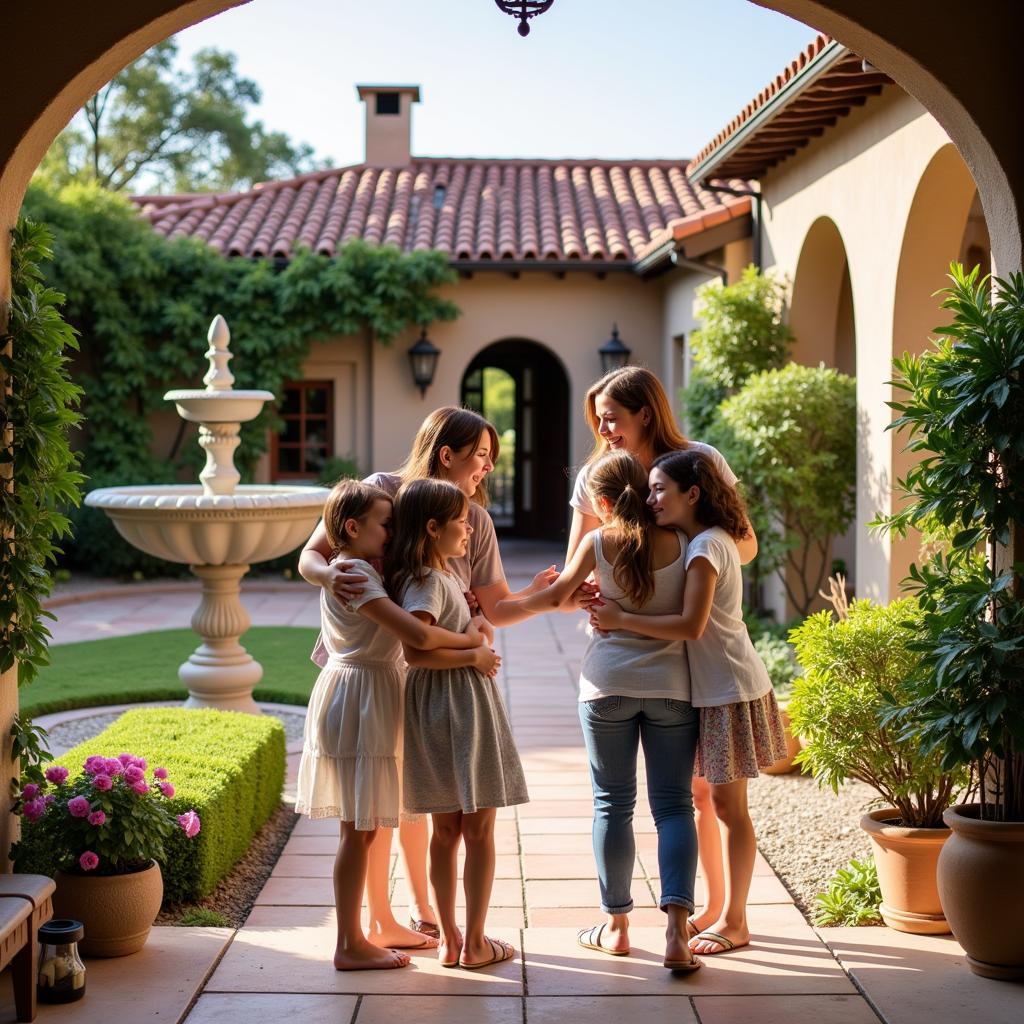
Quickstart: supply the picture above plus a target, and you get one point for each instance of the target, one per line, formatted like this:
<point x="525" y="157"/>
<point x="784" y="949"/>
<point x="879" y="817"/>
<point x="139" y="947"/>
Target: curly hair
<point x="349" y="499"/>
<point x="411" y="549"/>
<point x="620" y="479"/>
<point x="719" y="503"/>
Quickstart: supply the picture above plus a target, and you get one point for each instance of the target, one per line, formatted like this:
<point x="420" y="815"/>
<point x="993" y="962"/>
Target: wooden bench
<point x="25" y="904"/>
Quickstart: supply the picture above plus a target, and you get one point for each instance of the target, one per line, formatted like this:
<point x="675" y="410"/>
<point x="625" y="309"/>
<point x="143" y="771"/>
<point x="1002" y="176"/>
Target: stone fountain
<point x="218" y="529"/>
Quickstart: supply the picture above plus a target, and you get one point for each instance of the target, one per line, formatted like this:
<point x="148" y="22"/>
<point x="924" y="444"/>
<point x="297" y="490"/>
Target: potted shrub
<point x="964" y="700"/>
<point x="852" y="667"/>
<point x="104" y="830"/>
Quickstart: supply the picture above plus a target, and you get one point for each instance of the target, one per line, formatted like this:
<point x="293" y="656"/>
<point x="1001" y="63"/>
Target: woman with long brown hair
<point x="460" y="446"/>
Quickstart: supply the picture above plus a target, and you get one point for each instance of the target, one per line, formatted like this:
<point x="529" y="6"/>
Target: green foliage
<point x="742" y="333"/>
<point x="142" y="305"/>
<point x="181" y="131"/>
<point x="964" y="417"/>
<point x="35" y="420"/>
<point x="853" y="669"/>
<point x="780" y="661"/>
<point x="201" y="917"/>
<point x="143" y="667"/>
<point x="790" y="435"/>
<point x="852" y="898"/>
<point x="499" y="399"/>
<point x="227" y="765"/>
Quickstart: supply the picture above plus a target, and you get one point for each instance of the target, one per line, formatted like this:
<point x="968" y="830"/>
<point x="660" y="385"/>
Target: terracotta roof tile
<point x="593" y="211"/>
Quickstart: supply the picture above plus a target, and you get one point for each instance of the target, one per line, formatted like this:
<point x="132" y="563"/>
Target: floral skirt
<point x="737" y="740"/>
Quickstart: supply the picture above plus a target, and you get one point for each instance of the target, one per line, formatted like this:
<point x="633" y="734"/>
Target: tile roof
<point x="596" y="212"/>
<point x="817" y="88"/>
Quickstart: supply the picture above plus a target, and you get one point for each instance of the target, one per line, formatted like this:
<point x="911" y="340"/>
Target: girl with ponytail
<point x="634" y="690"/>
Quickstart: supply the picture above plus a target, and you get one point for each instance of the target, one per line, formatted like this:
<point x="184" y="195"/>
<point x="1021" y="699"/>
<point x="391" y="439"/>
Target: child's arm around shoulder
<point x="580" y="566"/>
<point x="481" y="657"/>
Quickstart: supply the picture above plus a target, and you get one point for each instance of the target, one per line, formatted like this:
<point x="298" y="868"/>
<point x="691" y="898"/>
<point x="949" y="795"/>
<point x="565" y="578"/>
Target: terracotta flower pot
<point x="785" y="765"/>
<point x="116" y="910"/>
<point x="906" y="860"/>
<point x="981" y="885"/>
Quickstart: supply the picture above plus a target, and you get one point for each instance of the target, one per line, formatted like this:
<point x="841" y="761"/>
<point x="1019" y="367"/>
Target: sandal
<point x="425" y="928"/>
<point x="683" y="966"/>
<point x="588" y="940"/>
<point x="727" y="944"/>
<point x="501" y="951"/>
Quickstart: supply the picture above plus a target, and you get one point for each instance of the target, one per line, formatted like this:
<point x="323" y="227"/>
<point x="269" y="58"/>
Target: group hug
<point x="406" y="719"/>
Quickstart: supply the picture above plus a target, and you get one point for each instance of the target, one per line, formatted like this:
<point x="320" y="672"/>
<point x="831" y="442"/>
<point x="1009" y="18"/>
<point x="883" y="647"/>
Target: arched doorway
<point x="522" y="387"/>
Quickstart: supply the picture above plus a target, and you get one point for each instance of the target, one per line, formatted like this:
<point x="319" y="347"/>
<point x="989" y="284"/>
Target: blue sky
<point x="606" y="78"/>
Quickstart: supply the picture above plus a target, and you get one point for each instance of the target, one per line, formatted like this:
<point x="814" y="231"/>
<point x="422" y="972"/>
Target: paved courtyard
<point x="278" y="965"/>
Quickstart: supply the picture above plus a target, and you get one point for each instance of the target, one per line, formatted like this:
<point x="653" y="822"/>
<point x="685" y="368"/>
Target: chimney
<point x="388" y="123"/>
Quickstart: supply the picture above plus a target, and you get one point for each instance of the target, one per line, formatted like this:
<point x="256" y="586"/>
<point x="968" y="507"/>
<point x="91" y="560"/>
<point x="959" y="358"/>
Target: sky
<point x="595" y="78"/>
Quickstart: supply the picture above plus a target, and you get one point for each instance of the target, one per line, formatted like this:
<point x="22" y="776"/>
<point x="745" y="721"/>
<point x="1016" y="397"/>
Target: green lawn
<point x="128" y="669"/>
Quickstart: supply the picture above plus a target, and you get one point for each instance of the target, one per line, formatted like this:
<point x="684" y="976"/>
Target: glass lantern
<point x="61" y="973"/>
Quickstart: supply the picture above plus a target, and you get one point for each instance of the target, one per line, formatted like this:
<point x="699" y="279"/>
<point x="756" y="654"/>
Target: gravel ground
<point x="807" y="833"/>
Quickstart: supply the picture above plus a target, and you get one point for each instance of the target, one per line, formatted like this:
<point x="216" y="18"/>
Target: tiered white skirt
<point x="350" y="767"/>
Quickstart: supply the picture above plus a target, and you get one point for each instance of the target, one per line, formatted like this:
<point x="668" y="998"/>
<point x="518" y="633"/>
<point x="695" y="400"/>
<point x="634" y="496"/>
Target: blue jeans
<point x="613" y="727"/>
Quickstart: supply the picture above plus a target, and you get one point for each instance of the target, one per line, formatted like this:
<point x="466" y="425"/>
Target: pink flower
<point x="189" y="821"/>
<point x="49" y="799"/>
<point x="113" y="766"/>
<point x="97" y="818"/>
<point x="30" y="791"/>
<point x="56" y="774"/>
<point x="133" y="773"/>
<point x="167" y="789"/>
<point x="34" y="809"/>
<point x="88" y="860"/>
<point x="140" y="787"/>
<point x="102" y="782"/>
<point x="141" y="762"/>
<point x="78" y="807"/>
<point x="95" y="764"/>
<point x="159" y="773"/>
<point x="126" y="759"/>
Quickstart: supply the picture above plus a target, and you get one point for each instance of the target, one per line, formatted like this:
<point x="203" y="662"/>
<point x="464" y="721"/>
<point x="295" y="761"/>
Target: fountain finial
<point x="218" y="377"/>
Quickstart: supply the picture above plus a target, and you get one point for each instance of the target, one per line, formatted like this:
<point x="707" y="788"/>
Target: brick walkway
<point x="278" y="965"/>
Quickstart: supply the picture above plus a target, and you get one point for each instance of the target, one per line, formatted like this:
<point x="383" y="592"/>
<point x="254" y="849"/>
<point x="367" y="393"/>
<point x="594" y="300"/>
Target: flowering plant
<point x="109" y="820"/>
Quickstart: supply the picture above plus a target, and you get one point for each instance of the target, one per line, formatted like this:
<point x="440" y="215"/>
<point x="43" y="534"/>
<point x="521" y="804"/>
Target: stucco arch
<point x="933" y="236"/>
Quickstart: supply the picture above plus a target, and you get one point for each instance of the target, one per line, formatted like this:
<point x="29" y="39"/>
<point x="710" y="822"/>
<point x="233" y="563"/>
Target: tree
<point x="173" y="130"/>
<point x="791" y="436"/>
<point x="742" y="333"/>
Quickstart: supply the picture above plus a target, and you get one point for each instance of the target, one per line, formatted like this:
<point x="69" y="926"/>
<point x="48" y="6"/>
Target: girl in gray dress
<point x="460" y="761"/>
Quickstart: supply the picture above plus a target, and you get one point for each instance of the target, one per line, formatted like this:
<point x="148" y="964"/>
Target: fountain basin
<point x="179" y="523"/>
<point x="204" y="406"/>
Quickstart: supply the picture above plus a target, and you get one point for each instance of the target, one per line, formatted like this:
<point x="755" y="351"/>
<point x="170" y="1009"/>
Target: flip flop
<point x="502" y="951"/>
<point x="683" y="966"/>
<point x="692" y="931"/>
<point x="425" y="928"/>
<point x="588" y="940"/>
<point x="727" y="944"/>
<point x="425" y="944"/>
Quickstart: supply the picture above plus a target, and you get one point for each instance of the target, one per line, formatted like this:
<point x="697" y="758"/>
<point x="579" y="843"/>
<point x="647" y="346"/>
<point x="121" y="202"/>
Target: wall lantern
<point x="423" y="360"/>
<point x="523" y="10"/>
<point x="614" y="355"/>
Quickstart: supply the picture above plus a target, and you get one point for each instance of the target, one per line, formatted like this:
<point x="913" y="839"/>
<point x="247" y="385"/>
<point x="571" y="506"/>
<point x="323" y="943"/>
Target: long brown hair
<point x="450" y="427"/>
<point x="411" y="549"/>
<point x="620" y="478"/>
<point x="349" y="499"/>
<point x="719" y="503"/>
<point x="635" y="388"/>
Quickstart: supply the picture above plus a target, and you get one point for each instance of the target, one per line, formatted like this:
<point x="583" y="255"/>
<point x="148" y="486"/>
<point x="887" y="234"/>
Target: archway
<point x="522" y="387"/>
<point x="821" y="318"/>
<point x="939" y="228"/>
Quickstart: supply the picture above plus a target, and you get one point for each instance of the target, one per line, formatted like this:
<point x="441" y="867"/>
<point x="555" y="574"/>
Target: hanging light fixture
<point x="423" y="358"/>
<point x="614" y="355"/>
<point x="524" y="10"/>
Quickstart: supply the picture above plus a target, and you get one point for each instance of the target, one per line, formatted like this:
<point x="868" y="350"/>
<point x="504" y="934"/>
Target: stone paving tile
<point x="609" y="1010"/>
<point x="790" y="1009"/>
<point x="454" y="1009"/>
<point x="319" y="892"/>
<point x="561" y="865"/>
<point x="573" y="892"/>
<point x="584" y="917"/>
<point x="244" y="1008"/>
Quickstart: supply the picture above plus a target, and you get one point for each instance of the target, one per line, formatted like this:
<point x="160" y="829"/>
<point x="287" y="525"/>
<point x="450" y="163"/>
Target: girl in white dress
<point x="741" y="729"/>
<point x="461" y="763"/>
<point x="349" y="767"/>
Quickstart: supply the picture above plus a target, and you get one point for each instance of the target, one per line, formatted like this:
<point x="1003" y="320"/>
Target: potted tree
<point x="852" y="666"/>
<point x="964" y="699"/>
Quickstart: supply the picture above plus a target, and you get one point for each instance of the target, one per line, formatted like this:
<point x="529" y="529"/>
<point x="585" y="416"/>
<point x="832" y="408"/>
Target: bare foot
<point x="449" y="950"/>
<point x="368" y="957"/>
<point x="708" y="946"/>
<point x="676" y="948"/>
<point x="396" y="936"/>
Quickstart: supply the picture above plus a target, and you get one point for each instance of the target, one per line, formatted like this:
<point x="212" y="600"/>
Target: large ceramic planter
<point x="981" y="884"/>
<point x="786" y="764"/>
<point x="906" y="859"/>
<point x="116" y="910"/>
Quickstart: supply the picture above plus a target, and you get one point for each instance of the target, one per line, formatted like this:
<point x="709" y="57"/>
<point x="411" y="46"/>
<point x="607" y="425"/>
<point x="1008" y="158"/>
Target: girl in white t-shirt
<point x="741" y="729"/>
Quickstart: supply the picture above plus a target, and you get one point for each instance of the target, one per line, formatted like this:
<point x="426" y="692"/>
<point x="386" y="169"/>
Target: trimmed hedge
<point x="227" y="765"/>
